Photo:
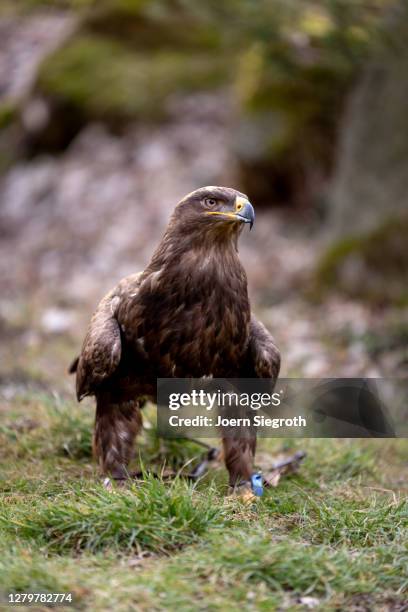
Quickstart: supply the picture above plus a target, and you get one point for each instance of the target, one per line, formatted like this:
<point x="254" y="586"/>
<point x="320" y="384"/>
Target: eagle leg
<point x="239" y="456"/>
<point x="239" y="444"/>
<point x="262" y="361"/>
<point x="117" y="423"/>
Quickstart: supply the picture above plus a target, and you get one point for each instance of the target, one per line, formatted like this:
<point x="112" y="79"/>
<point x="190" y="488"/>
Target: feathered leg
<point x="239" y="456"/>
<point x="117" y="423"/>
<point x="239" y="442"/>
<point x="262" y="361"/>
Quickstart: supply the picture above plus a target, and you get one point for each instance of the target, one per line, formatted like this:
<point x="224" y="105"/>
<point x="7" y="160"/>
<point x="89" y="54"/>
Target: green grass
<point x="337" y="531"/>
<point x="151" y="516"/>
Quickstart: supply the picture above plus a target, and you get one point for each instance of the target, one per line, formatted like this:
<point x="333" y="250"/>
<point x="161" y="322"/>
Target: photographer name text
<point x="257" y="421"/>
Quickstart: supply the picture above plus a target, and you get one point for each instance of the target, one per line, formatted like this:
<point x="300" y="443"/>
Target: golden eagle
<point x="186" y="315"/>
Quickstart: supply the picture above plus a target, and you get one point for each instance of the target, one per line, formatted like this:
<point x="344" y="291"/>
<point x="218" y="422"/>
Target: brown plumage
<point x="186" y="315"/>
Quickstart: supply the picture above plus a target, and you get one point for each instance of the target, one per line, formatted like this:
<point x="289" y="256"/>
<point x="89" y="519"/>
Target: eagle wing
<point x="101" y="350"/>
<point x="263" y="356"/>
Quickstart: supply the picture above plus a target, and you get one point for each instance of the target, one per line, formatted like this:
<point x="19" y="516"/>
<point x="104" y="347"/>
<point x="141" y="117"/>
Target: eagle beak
<point x="244" y="211"/>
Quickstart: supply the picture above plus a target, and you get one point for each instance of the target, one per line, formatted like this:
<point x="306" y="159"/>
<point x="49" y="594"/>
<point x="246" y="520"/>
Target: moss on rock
<point x="106" y="80"/>
<point x="8" y="114"/>
<point x="124" y="60"/>
<point x="9" y="135"/>
<point x="148" y="25"/>
<point x="372" y="267"/>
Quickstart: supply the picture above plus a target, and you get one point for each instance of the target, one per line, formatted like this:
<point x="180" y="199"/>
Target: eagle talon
<point x="248" y="490"/>
<point x="243" y="492"/>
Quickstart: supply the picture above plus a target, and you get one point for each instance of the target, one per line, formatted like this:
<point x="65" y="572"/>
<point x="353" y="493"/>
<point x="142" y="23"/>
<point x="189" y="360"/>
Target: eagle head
<point x="214" y="210"/>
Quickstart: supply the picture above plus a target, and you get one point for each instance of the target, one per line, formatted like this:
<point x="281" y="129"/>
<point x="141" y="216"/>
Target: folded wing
<point x="101" y="350"/>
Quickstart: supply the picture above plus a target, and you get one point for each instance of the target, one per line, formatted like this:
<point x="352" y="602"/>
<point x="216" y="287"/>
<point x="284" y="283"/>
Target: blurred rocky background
<point x="111" y="110"/>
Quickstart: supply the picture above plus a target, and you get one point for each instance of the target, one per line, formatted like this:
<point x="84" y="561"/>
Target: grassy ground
<point x="333" y="536"/>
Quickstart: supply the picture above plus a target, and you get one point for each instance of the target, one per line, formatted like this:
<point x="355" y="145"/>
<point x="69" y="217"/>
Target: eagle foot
<point x="248" y="491"/>
<point x="243" y="492"/>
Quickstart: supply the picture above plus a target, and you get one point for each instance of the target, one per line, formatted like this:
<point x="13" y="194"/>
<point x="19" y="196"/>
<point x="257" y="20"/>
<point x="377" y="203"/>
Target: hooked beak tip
<point x="247" y="214"/>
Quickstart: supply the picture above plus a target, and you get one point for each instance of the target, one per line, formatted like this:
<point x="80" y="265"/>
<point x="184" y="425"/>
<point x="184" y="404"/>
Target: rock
<point x="35" y="115"/>
<point x="96" y="212"/>
<point x="25" y="41"/>
<point x="367" y="256"/>
<point x="370" y="183"/>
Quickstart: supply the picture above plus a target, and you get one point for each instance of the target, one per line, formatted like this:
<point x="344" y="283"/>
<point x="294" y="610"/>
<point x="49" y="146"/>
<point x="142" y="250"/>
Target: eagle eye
<point x="210" y="202"/>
